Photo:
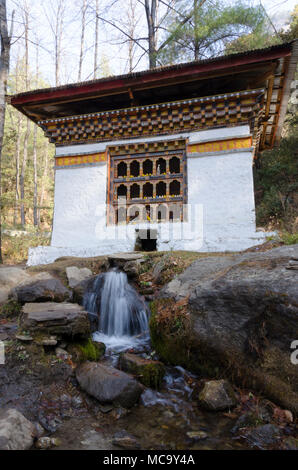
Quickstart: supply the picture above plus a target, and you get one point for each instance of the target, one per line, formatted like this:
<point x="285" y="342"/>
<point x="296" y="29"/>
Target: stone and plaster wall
<point x="221" y="209"/>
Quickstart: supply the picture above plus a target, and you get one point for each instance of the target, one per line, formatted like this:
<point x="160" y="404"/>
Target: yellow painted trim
<point x="220" y="145"/>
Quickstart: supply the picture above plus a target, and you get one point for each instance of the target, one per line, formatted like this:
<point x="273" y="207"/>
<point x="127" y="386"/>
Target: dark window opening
<point x="161" y="166"/>
<point x="147" y="240"/>
<point x="121" y="191"/>
<point x="135" y="168"/>
<point x="161" y="189"/>
<point x="162" y="213"/>
<point x="174" y="165"/>
<point x="174" y="213"/>
<point x="175" y="188"/>
<point x="147" y="167"/>
<point x="134" y="191"/>
<point x="121" y="169"/>
<point x="148" y="190"/>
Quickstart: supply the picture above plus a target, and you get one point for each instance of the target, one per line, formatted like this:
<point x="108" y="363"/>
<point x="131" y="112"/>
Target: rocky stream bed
<point x="60" y="389"/>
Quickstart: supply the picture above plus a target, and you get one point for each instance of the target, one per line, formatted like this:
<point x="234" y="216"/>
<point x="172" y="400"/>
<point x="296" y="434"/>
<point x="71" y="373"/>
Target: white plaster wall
<point x="220" y="195"/>
<point x="79" y="203"/>
<point x="223" y="184"/>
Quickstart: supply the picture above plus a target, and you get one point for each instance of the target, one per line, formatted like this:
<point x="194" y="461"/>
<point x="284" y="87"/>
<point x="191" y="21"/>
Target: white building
<point x="162" y="159"/>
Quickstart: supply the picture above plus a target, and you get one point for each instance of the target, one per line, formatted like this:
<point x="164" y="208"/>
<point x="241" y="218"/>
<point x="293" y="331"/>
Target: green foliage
<point x="15" y="249"/>
<point x="276" y="180"/>
<point x="289" y="238"/>
<point x="212" y="27"/>
<point x="86" y="350"/>
<point x="292" y="32"/>
<point x="265" y="36"/>
<point x="14" y="137"/>
<point x="10" y="309"/>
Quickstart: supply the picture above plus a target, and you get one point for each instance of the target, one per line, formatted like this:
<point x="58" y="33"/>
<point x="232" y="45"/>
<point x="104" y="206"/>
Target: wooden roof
<point x="271" y="68"/>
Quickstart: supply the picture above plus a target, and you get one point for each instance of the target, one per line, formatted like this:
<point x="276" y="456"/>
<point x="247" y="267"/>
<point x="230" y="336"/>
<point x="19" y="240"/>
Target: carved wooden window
<point x="147" y="182"/>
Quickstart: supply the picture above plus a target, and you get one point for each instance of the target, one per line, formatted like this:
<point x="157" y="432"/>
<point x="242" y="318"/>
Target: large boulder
<point x="150" y="373"/>
<point x="76" y="275"/>
<point x="108" y="385"/>
<point x="242" y="316"/>
<point x="50" y="318"/>
<point x="9" y="278"/>
<point x="16" y="432"/>
<point x="41" y="287"/>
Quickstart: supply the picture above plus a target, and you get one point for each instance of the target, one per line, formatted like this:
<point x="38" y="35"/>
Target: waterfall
<point x="122" y="312"/>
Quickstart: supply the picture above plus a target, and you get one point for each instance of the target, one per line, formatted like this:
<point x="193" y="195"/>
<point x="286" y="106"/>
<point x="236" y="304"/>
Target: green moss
<point x="175" y="345"/>
<point x="87" y="350"/>
<point x="10" y="309"/>
<point x="150" y="373"/>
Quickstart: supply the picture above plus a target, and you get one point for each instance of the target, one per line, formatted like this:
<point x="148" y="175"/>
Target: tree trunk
<point x="4" y="69"/>
<point x="83" y="24"/>
<point x="96" y="40"/>
<point x="151" y="23"/>
<point x="35" y="218"/>
<point x="17" y="151"/>
<point x="22" y="175"/>
<point x="196" y="38"/>
<point x="17" y="160"/>
<point x="26" y="138"/>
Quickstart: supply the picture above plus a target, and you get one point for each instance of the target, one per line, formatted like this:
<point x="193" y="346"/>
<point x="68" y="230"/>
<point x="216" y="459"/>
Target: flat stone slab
<point x="124" y="257"/>
<point x="55" y="318"/>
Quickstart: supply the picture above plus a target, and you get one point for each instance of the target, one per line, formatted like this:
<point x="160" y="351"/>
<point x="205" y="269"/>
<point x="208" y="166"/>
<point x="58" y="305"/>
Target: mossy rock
<point x="174" y="344"/>
<point x="149" y="373"/>
<point x="87" y="350"/>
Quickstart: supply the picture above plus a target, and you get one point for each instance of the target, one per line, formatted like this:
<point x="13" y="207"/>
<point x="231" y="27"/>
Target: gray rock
<point x="16" y="432"/>
<point x="24" y="338"/>
<point x="217" y="395"/>
<point x="129" y="262"/>
<point x="243" y="314"/>
<point x="51" y="341"/>
<point x="125" y="440"/>
<point x="124" y="257"/>
<point x="108" y="384"/>
<point x="263" y="436"/>
<point x="197" y="435"/>
<point x="46" y="442"/>
<point x="132" y="268"/>
<point x="159" y="268"/>
<point x="50" y="318"/>
<point x="41" y="287"/>
<point x="9" y="278"/>
<point x="61" y="353"/>
<point x="76" y="275"/>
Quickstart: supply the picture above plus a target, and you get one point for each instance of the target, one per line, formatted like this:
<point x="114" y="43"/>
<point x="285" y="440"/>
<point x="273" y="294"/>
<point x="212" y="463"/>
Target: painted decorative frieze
<point x="166" y="118"/>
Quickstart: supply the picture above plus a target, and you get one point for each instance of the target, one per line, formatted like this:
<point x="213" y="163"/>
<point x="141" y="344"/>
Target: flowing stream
<point x="163" y="417"/>
<point x="123" y="315"/>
